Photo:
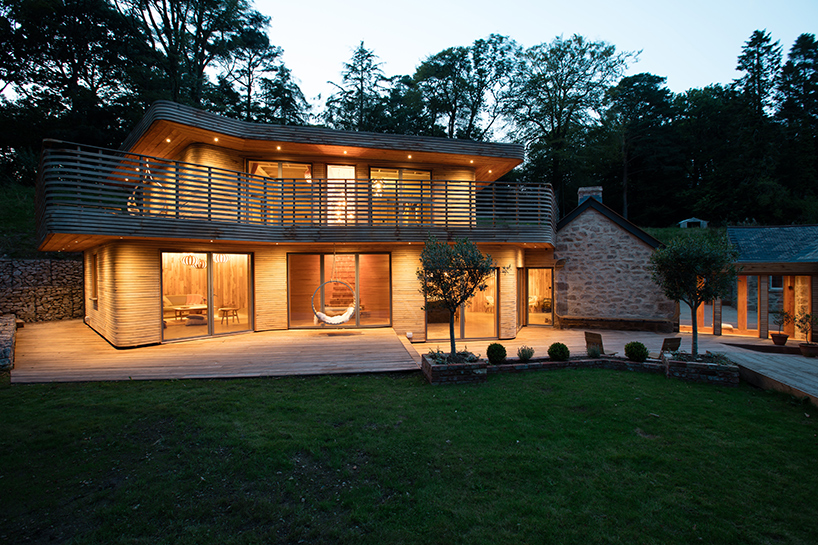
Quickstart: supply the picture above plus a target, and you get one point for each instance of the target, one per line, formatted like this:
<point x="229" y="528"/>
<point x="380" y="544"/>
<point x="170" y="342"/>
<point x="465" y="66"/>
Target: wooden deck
<point x="71" y="351"/>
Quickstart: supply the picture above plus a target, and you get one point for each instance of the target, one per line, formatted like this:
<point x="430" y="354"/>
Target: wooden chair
<point x="595" y="340"/>
<point x="671" y="344"/>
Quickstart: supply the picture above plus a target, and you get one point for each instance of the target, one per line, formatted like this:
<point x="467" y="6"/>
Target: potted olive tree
<point x="781" y="318"/>
<point x="806" y="322"/>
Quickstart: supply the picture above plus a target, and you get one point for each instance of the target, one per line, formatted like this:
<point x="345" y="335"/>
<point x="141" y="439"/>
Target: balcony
<point x="99" y="193"/>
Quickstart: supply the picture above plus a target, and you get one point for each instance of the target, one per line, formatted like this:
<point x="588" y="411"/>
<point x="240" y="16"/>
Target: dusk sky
<point x="692" y="43"/>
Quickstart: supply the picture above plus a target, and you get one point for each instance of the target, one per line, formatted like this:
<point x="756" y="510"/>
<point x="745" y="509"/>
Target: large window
<point x="288" y="197"/>
<point x="400" y="195"/>
<point x="205" y="294"/>
<point x="330" y="283"/>
<point x="476" y="319"/>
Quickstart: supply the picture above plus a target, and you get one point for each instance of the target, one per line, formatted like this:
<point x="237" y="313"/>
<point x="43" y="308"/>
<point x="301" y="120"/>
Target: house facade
<point x="200" y="226"/>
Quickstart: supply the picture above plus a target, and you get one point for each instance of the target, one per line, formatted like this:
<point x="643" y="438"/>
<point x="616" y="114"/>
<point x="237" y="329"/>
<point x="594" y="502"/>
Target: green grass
<point x="560" y="457"/>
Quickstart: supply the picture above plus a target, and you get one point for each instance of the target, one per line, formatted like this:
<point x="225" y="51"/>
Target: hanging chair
<point x="340" y="318"/>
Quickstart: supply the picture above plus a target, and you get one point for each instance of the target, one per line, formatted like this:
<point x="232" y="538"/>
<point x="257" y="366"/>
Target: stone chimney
<point x="585" y="192"/>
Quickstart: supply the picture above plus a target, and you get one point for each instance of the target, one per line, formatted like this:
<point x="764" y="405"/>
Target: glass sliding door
<point x="476" y="319"/>
<point x="375" y="292"/>
<point x="363" y="280"/>
<point x="205" y="294"/>
<point x="480" y="313"/>
<point x="304" y="277"/>
<point x="231" y="293"/>
<point x="184" y="295"/>
<point x="540" y="296"/>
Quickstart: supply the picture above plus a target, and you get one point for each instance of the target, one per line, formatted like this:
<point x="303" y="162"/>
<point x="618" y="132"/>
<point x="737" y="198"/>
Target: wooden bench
<point x="595" y="340"/>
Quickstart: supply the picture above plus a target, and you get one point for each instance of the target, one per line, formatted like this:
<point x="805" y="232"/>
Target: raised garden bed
<point x="723" y="373"/>
<point x="453" y="373"/>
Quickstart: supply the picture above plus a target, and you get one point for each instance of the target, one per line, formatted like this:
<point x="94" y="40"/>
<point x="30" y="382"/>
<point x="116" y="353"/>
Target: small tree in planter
<point x="695" y="269"/>
<point x="452" y="274"/>
<point x="805" y="323"/>
<point x="781" y="318"/>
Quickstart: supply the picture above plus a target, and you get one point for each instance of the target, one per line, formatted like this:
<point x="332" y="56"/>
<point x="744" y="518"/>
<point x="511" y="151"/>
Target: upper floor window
<point x="400" y="194"/>
<point x="281" y="169"/>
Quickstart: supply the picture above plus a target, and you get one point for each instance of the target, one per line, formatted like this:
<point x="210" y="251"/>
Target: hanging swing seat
<point x="337" y="319"/>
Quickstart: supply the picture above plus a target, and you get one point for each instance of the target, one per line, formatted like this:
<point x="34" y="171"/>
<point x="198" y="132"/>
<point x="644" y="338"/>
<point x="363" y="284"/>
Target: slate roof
<point x="782" y="244"/>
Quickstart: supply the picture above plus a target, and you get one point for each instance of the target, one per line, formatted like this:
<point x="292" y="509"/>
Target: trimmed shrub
<point x="636" y="351"/>
<point x="525" y="353"/>
<point x="496" y="353"/>
<point x="558" y="352"/>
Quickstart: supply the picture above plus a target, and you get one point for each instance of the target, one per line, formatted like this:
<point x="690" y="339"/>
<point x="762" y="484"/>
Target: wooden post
<point x="717" y="317"/>
<point x="788" y="303"/>
<point x="763" y="306"/>
<point x="741" y="303"/>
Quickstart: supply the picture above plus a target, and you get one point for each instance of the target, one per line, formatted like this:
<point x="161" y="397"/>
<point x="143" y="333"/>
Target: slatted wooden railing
<point x="96" y="191"/>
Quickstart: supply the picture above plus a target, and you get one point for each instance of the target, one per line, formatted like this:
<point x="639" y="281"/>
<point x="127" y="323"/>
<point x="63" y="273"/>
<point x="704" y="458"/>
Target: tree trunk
<point x="453" y="352"/>
<point x="694" y="349"/>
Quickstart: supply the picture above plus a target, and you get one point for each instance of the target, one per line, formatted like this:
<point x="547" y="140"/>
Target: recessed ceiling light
<point x="278" y="148"/>
<point x="216" y="139"/>
<point x="167" y="140"/>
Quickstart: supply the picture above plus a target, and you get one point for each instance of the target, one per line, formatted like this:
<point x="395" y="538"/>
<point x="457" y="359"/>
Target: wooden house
<point x="201" y="225"/>
<point x="778" y="271"/>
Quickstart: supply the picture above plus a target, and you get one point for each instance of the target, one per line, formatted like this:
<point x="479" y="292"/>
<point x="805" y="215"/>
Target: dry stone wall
<point x="41" y="290"/>
<point x="606" y="274"/>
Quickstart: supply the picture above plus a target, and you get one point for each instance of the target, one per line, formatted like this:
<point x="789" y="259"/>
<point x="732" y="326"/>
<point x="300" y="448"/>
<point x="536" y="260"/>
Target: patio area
<point x="69" y="351"/>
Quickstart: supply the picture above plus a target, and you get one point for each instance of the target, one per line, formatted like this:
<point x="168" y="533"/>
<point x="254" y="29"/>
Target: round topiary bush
<point x="558" y="352"/>
<point x="636" y="351"/>
<point x="525" y="353"/>
<point x="496" y="353"/>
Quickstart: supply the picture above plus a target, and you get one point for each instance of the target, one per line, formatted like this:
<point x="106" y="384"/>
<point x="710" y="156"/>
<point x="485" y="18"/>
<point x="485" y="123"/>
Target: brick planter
<point x="453" y="373"/>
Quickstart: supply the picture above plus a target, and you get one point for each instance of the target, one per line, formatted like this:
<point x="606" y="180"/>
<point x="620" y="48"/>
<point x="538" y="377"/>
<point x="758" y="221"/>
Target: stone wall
<point x="8" y="337"/>
<point x="605" y="281"/>
<point x="41" y="290"/>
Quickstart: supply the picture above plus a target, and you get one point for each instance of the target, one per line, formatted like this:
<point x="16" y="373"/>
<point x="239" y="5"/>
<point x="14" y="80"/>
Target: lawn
<point x="584" y="456"/>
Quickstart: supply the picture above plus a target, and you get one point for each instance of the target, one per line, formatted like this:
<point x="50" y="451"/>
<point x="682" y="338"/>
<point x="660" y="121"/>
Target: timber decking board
<point x="70" y="351"/>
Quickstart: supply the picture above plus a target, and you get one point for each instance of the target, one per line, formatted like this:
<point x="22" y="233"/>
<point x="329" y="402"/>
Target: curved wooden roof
<point x="168" y="128"/>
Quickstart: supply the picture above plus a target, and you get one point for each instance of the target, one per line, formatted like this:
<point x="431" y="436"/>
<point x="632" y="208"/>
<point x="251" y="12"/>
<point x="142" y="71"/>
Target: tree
<point x="556" y="92"/>
<point x="463" y="85"/>
<point x="252" y="56"/>
<point x="75" y="51"/>
<point x="189" y="36"/>
<point x="798" y="112"/>
<point x="452" y="274"/>
<point x="695" y="269"/>
<point x="760" y="60"/>
<point x="358" y="105"/>
<point x="282" y="101"/>
<point x="640" y="109"/>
